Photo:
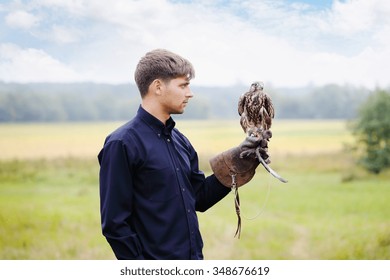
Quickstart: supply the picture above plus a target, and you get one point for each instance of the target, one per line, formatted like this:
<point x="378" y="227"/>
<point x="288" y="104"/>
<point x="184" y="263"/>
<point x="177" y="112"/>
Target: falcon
<point x="257" y="111"/>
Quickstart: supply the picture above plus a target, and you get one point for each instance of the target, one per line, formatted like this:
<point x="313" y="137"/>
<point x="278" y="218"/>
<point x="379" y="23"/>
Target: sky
<point x="284" y="43"/>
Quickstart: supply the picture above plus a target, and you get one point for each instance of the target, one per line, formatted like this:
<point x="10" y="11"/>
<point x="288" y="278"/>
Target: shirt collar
<point x="156" y="124"/>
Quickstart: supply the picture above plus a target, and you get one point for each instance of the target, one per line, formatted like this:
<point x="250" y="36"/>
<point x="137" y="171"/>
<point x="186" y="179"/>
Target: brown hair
<point x="161" y="64"/>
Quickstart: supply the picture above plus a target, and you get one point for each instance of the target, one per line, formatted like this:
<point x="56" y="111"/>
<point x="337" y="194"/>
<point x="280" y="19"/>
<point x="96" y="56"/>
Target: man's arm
<point x="116" y="196"/>
<point x="208" y="191"/>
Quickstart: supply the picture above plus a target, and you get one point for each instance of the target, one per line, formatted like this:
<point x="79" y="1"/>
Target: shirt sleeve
<point x="116" y="196"/>
<point x="209" y="193"/>
<point x="208" y="190"/>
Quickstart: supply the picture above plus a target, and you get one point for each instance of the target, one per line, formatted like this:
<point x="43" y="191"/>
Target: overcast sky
<point x="283" y="43"/>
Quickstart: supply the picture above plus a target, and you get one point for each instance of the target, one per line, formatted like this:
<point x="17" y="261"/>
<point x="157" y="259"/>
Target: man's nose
<point x="189" y="93"/>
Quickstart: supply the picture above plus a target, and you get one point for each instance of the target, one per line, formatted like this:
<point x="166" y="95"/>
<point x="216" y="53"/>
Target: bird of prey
<point x="257" y="111"/>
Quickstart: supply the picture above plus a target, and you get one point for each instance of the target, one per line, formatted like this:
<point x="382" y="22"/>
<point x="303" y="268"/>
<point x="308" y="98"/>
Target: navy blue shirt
<point x="150" y="188"/>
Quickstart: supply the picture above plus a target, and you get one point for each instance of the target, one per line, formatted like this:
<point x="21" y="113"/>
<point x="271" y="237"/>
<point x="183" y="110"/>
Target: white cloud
<point x="31" y="65"/>
<point x="64" y="35"/>
<point x="21" y="19"/>
<point x="352" y="17"/>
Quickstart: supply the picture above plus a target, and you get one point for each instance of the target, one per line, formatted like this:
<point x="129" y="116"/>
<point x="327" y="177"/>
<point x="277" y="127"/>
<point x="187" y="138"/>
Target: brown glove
<point x="241" y="161"/>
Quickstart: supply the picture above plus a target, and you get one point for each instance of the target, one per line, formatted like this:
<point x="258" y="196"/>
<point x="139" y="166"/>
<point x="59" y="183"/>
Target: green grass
<point x="329" y="209"/>
<point x="49" y="210"/>
<point x="313" y="217"/>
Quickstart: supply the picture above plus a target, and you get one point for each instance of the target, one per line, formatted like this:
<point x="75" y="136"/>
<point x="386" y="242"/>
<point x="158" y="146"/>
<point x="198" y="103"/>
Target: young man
<point x="150" y="184"/>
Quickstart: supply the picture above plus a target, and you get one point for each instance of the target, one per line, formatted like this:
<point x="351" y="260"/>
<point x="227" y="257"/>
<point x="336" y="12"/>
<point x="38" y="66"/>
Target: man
<point x="150" y="184"/>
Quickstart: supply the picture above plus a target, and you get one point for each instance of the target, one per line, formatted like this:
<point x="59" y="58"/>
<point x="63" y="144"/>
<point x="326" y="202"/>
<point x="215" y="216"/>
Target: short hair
<point x="161" y="64"/>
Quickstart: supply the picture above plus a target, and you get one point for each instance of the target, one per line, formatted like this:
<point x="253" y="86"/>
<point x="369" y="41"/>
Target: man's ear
<point x="156" y="87"/>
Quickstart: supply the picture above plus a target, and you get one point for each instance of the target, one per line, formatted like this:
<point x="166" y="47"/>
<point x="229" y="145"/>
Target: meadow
<point x="329" y="209"/>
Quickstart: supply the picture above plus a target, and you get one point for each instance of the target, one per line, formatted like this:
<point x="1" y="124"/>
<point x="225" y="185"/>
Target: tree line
<point x="51" y="102"/>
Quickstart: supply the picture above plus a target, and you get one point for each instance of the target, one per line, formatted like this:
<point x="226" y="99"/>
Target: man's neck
<point x="155" y="110"/>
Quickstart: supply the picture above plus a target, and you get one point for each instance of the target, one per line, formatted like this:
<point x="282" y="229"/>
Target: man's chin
<point x="177" y="112"/>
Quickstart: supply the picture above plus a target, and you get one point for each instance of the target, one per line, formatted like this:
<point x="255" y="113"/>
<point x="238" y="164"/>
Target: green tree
<point x="372" y="132"/>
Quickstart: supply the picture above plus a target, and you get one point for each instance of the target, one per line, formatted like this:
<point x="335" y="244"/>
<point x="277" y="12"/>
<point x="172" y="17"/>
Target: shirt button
<point x="188" y="210"/>
<point x="183" y="189"/>
<point x="169" y="140"/>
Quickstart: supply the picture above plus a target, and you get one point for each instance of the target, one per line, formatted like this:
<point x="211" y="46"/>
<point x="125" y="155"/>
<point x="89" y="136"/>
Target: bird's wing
<point x="269" y="106"/>
<point x="241" y="104"/>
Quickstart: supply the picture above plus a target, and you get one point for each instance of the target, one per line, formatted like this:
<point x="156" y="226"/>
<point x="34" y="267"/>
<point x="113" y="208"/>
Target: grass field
<point x="81" y="140"/>
<point x="49" y="203"/>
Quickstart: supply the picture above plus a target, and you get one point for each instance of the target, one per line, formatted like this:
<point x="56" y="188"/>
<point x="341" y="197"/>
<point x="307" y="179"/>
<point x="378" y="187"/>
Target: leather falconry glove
<point x="241" y="161"/>
<point x="237" y="166"/>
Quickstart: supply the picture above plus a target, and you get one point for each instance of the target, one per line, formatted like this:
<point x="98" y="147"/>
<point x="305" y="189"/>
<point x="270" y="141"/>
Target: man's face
<point x="175" y="95"/>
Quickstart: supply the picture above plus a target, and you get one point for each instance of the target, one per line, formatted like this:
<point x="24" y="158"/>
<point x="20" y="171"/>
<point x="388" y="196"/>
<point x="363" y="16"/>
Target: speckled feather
<point x="256" y="110"/>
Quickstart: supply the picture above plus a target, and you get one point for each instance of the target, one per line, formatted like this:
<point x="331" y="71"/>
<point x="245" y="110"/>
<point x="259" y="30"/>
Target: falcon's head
<point x="256" y="86"/>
